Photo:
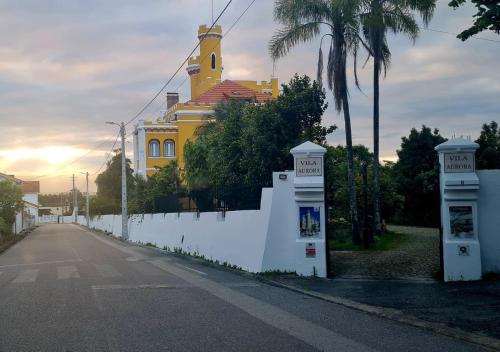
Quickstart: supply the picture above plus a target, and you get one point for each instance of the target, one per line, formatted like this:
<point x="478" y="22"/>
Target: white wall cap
<point x="157" y="126"/>
<point x="308" y="147"/>
<point x="467" y="177"/>
<point x="457" y="144"/>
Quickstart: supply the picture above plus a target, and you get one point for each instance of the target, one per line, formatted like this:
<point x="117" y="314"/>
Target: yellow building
<point x="158" y="142"/>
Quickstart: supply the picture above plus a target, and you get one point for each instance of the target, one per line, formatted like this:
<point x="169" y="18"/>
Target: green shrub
<point x="5" y="229"/>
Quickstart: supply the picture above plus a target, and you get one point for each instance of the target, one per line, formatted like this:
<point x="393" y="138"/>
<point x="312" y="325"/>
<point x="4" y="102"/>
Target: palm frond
<point x="386" y="56"/>
<point x="290" y="12"/>
<point x="401" y="20"/>
<point x="285" y="39"/>
<point x="319" y="76"/>
<point x="330" y="66"/>
<point x="424" y="7"/>
<point x="355" y="68"/>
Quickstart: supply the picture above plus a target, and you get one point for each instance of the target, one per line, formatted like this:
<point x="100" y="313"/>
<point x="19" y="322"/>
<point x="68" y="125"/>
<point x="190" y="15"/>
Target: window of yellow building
<point x="154" y="148"/>
<point x="169" y="148"/>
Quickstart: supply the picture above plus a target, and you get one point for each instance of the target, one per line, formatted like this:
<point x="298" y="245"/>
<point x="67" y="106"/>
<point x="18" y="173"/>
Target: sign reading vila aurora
<point x="308" y="167"/>
<point x="458" y="162"/>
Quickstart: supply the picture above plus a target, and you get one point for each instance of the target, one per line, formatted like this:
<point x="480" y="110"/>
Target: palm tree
<point x="303" y="21"/>
<point x="379" y="17"/>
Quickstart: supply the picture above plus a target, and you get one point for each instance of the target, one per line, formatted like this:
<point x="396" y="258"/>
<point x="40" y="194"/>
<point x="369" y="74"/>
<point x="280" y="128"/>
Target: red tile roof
<point x="26" y="186"/>
<point x="229" y="90"/>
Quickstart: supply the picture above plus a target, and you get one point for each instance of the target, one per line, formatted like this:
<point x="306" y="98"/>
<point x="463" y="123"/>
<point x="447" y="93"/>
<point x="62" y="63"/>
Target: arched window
<point x="154" y="148"/>
<point x="169" y="148"/>
<point x="213" y="61"/>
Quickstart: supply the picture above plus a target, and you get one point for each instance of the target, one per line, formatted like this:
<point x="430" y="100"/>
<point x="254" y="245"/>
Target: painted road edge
<point x="396" y="315"/>
<point x="388" y="313"/>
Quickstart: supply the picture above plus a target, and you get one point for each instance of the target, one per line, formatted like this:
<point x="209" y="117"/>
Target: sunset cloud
<point x="66" y="67"/>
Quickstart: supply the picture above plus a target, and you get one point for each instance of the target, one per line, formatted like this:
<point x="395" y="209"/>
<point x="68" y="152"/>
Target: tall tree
<point x="488" y="154"/>
<point x="271" y="131"/>
<point x="338" y="195"/>
<point x="246" y="143"/>
<point x="109" y="194"/>
<point x="486" y="18"/>
<point x="11" y="202"/>
<point x="379" y="17"/>
<point x="303" y="21"/>
<point x="417" y="175"/>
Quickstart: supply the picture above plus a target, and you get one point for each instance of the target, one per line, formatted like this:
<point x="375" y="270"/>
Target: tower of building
<point x="205" y="70"/>
<point x="159" y="142"/>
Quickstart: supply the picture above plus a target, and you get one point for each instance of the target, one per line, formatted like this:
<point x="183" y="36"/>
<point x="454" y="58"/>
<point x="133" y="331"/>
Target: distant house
<point x="55" y="210"/>
<point x="28" y="216"/>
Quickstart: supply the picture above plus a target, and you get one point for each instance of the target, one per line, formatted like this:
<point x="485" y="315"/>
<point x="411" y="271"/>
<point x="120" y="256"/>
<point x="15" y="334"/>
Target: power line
<point x="225" y="35"/>
<point x="180" y="67"/>
<point x="455" y="34"/>
<point x="203" y="59"/>
<point x="149" y="102"/>
<point x="107" y="156"/>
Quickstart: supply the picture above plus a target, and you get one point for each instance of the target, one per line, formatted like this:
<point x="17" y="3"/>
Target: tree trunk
<point x="367" y="225"/>
<point x="350" y="171"/>
<point x="376" y="146"/>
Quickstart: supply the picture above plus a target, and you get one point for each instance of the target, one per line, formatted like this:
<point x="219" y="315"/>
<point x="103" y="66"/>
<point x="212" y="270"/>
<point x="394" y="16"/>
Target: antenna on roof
<point x="212" y="11"/>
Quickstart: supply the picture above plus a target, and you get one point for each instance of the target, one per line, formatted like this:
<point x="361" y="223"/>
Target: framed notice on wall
<point x="461" y="221"/>
<point x="309" y="221"/>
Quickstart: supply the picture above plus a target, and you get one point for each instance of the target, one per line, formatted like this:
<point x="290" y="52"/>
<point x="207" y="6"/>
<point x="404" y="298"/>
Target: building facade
<point x="158" y="142"/>
<point x="28" y="216"/>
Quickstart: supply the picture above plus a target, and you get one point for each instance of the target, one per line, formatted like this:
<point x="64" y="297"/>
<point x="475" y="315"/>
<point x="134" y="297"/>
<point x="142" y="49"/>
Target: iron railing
<point x="211" y="199"/>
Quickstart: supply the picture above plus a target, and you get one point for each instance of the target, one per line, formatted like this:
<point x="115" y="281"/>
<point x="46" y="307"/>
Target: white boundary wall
<point x="489" y="219"/>
<point x="48" y="219"/>
<point x="255" y="240"/>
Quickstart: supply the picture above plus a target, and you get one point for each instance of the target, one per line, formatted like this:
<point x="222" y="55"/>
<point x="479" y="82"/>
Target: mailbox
<point x="459" y="186"/>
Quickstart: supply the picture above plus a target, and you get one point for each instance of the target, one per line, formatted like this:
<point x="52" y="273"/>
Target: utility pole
<point x="87" y="215"/>
<point x="75" y="201"/>
<point x="62" y="211"/>
<point x="124" y="186"/>
<point x="124" y="182"/>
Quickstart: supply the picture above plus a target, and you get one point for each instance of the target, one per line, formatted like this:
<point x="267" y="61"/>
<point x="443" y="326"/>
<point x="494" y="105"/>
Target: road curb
<point x="15" y="240"/>
<point x="396" y="315"/>
<point x="388" y="313"/>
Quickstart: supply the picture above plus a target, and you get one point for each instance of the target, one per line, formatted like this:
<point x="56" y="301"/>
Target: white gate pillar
<point x="309" y="191"/>
<point x="459" y="187"/>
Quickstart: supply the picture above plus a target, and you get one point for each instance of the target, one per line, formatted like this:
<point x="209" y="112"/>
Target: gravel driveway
<point x="416" y="257"/>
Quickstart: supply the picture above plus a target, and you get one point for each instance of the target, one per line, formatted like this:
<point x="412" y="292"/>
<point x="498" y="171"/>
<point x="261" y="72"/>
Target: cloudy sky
<point x="67" y="66"/>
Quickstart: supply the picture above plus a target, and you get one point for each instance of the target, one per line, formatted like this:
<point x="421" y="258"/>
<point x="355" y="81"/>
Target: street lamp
<point x="87" y="217"/>
<point x="124" y="182"/>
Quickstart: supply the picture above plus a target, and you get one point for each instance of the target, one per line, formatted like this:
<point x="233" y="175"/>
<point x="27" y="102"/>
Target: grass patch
<point x="389" y="240"/>
<point x="7" y="241"/>
<point x="277" y="273"/>
<point x="438" y="275"/>
<point x="491" y="276"/>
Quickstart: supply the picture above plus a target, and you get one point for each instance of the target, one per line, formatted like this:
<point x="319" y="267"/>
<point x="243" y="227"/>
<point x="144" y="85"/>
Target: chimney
<point x="172" y="99"/>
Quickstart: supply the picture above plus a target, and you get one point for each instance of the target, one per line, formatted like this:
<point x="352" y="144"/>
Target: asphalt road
<point x="66" y="289"/>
